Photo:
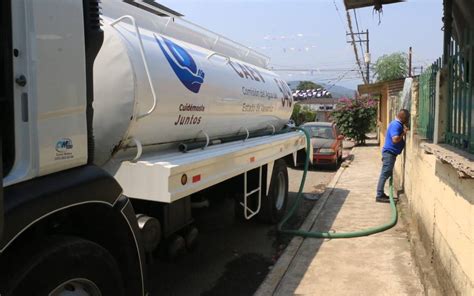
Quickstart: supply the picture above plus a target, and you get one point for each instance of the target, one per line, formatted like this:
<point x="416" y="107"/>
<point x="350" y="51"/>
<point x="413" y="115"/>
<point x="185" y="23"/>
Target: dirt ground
<point x="233" y="257"/>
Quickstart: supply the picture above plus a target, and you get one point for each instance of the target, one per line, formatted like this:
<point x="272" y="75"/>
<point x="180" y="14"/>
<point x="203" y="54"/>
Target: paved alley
<point x="380" y="264"/>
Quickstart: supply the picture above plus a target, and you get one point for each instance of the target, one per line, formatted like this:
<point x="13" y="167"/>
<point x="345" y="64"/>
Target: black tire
<point x="191" y="238"/>
<point x="46" y="265"/>
<point x="274" y="204"/>
<point x="176" y="246"/>
<point x="335" y="165"/>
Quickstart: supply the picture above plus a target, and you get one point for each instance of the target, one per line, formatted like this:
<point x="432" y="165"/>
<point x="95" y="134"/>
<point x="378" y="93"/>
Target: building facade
<point x="436" y="170"/>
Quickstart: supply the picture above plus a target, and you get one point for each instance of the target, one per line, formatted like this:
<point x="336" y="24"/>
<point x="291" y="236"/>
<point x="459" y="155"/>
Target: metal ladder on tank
<point x="248" y="212"/>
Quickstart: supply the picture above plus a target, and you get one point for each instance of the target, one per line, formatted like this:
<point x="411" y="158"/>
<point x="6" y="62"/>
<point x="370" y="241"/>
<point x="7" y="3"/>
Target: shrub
<point x="355" y="117"/>
<point x="303" y="114"/>
<point x="392" y="66"/>
<point x="304" y="85"/>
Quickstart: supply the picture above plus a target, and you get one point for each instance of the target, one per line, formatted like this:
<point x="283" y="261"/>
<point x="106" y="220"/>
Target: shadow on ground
<point x="232" y="259"/>
<point x="324" y="223"/>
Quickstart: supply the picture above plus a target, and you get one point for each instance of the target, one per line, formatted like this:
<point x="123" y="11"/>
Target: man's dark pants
<point x="388" y="160"/>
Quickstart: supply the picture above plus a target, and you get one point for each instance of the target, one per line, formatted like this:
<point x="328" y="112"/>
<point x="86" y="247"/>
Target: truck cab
<point x="53" y="201"/>
<point x="94" y="177"/>
<point x="6" y="99"/>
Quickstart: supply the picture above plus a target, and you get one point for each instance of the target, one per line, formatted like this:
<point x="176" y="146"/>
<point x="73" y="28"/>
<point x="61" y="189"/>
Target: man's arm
<point x="397" y="139"/>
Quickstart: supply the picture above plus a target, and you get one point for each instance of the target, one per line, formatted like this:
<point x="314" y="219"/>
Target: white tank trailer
<point x="160" y="82"/>
<point x="154" y="89"/>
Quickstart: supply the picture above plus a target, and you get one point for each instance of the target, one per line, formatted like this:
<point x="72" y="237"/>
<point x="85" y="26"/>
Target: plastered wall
<point x="441" y="206"/>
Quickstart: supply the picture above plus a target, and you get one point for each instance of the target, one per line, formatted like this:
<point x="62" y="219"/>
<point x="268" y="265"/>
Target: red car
<point x="327" y="143"/>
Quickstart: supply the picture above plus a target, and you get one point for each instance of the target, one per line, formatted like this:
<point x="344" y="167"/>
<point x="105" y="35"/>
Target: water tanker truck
<point x="115" y="122"/>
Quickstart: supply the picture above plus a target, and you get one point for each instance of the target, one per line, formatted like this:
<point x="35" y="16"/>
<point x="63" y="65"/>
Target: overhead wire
<point x="339" y="14"/>
<point x="358" y="32"/>
<point x="337" y="80"/>
<point x="349" y="22"/>
<point x="311" y="70"/>
<point x="316" y="66"/>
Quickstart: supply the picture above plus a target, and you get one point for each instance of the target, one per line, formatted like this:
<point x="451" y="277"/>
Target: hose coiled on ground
<point x="332" y="235"/>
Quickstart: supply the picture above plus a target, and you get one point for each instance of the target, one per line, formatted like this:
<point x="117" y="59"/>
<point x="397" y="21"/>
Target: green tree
<point x="392" y="66"/>
<point x="304" y="85"/>
<point x="302" y="114"/>
<point x="355" y="117"/>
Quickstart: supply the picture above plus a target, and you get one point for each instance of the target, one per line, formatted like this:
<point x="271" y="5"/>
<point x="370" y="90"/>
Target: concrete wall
<point x="442" y="210"/>
<point x="323" y="116"/>
<point x="382" y="117"/>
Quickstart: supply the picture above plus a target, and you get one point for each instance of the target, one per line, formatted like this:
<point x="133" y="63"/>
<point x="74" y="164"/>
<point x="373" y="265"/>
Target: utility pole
<point x="410" y="53"/>
<point x="351" y="34"/>
<point x="367" y="57"/>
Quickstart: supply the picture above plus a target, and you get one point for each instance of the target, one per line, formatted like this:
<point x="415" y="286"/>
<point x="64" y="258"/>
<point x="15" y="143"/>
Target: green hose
<point x="299" y="196"/>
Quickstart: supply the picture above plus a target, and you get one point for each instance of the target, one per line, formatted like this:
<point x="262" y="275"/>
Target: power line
<point x="316" y="66"/>
<point x="341" y="77"/>
<point x="355" y="46"/>
<point x="358" y="31"/>
<point x="339" y="13"/>
<point x="311" y="70"/>
<point x="365" y="55"/>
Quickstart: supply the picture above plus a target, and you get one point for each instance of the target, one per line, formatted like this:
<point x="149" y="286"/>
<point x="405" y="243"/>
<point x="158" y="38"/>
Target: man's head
<point x="404" y="116"/>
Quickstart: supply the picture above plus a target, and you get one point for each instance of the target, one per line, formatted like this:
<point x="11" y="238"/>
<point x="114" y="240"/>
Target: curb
<point x="272" y="280"/>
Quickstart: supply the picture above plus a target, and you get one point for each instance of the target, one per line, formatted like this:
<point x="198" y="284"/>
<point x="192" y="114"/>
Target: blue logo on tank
<point x="182" y="64"/>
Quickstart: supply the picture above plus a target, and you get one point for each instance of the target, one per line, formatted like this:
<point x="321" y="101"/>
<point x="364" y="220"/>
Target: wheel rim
<point x="76" y="287"/>
<point x="281" y="190"/>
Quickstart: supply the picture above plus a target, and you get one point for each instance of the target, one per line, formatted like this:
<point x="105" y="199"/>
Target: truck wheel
<point x="191" y="238"/>
<point x="274" y="204"/>
<point x="176" y="246"/>
<point x="62" y="266"/>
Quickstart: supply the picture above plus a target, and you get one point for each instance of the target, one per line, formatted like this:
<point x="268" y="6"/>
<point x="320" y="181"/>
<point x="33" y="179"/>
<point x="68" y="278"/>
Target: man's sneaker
<point x="384" y="198"/>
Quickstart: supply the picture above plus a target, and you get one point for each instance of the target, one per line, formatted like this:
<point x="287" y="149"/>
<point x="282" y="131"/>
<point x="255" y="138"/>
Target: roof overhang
<point x="154" y="7"/>
<point x="463" y="16"/>
<point x="354" y="4"/>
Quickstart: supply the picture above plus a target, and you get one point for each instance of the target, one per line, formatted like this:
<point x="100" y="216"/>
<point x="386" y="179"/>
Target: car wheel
<point x="335" y="166"/>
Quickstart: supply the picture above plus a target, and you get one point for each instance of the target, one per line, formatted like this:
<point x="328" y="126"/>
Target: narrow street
<point x="154" y="147"/>
<point x="233" y="257"/>
<point x="379" y="264"/>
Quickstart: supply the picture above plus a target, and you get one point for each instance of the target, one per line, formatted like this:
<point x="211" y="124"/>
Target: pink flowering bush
<point x="355" y="117"/>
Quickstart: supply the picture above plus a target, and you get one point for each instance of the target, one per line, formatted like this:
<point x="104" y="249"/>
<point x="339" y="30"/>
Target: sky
<point x="311" y="34"/>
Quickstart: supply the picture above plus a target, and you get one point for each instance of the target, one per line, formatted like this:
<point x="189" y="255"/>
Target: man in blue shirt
<point x="394" y="144"/>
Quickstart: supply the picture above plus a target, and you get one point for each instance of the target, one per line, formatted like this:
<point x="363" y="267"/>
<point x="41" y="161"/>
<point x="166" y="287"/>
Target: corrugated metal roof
<point x="395" y="87"/>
